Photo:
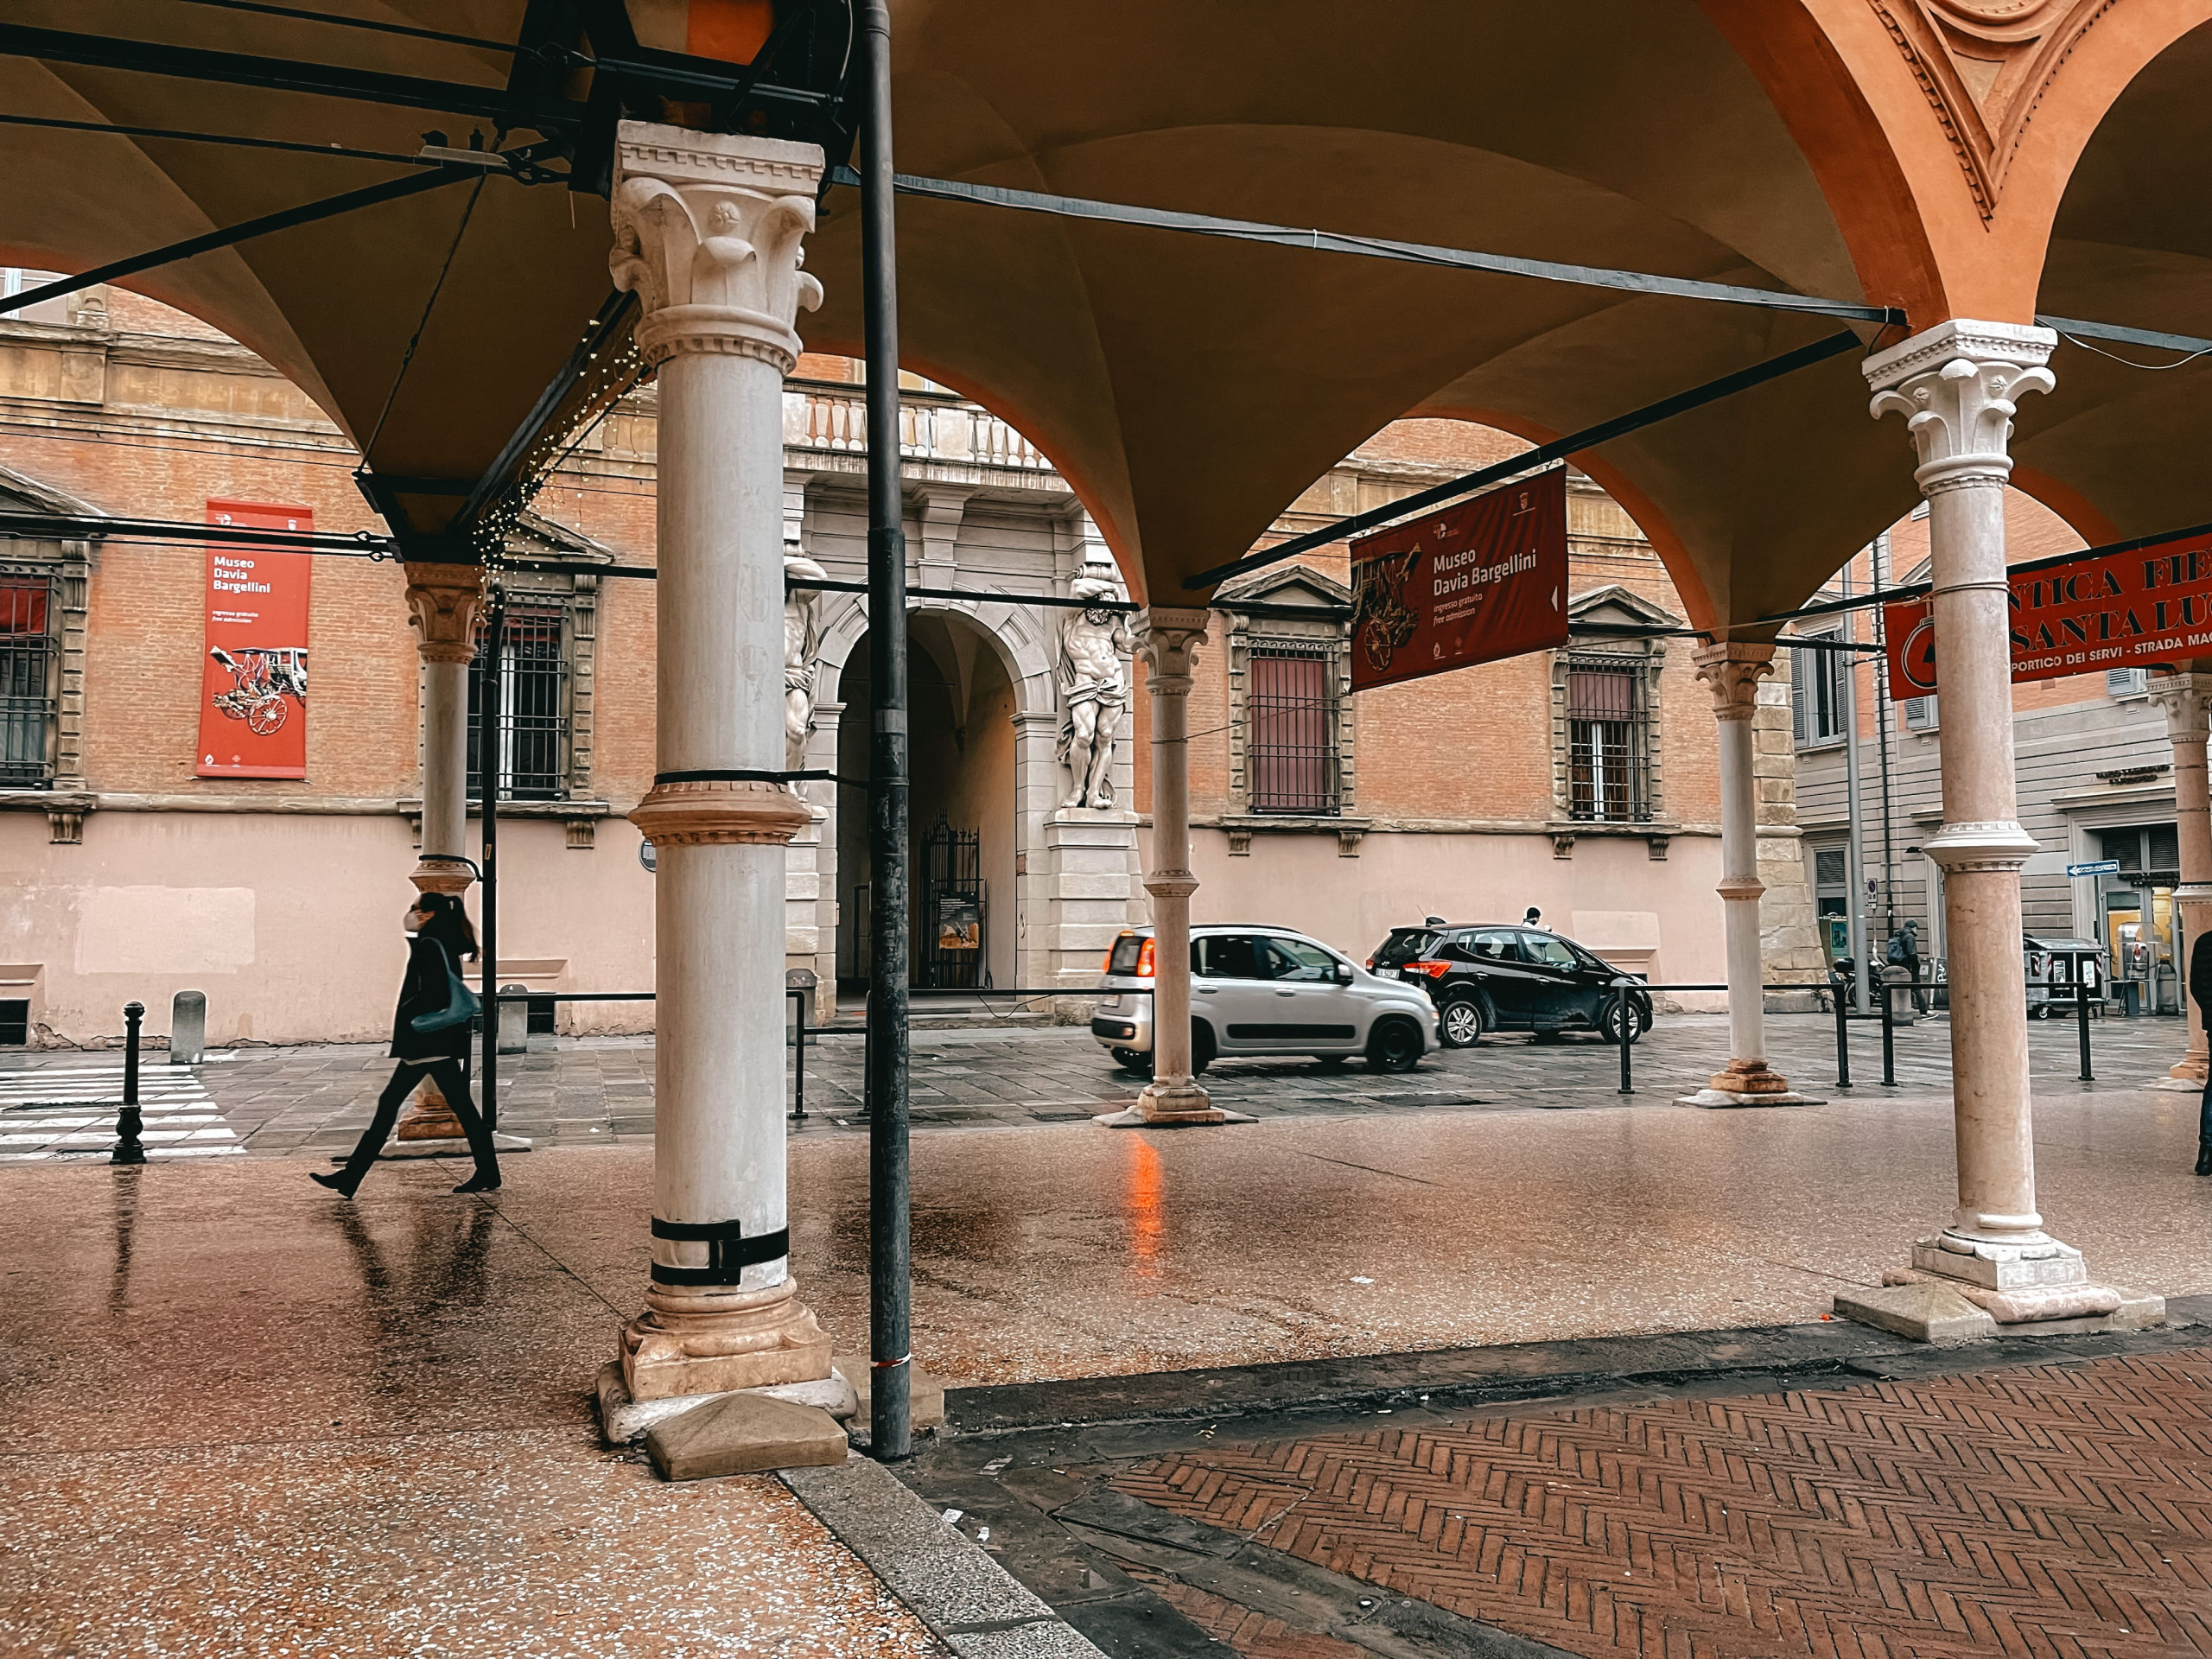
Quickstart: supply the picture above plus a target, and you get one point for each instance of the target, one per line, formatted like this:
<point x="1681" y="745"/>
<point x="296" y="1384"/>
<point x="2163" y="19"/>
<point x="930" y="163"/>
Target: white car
<point x="1264" y="990"/>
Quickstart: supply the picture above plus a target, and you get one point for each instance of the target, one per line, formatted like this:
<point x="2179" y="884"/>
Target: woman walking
<point x="429" y="1037"/>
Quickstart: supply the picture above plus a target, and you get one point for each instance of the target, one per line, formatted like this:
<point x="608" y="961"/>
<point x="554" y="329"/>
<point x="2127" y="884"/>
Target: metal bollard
<point x="2081" y="1016"/>
<point x="1624" y="1029"/>
<point x="128" y="1123"/>
<point x="1840" y="990"/>
<point x="188" y="1028"/>
<point x="798" y="1068"/>
<point x="1889" y="1036"/>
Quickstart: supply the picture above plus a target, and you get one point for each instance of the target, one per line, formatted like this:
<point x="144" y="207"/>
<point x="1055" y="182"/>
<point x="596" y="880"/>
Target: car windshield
<point x="1404" y="944"/>
<point x="1124" y="959"/>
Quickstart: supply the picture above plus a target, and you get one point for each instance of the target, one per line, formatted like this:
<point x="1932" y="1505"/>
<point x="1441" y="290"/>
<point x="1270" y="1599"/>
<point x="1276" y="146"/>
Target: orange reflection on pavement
<point x="1146" y="1225"/>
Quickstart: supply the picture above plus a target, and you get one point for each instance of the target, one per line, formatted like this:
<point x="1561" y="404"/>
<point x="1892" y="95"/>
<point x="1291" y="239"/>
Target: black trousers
<point x="452" y="1078"/>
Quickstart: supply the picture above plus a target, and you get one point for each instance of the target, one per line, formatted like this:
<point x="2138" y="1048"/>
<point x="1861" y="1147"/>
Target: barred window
<point x="1290" y="712"/>
<point x="29" y="676"/>
<point x="1608" y="758"/>
<point x="533" y="740"/>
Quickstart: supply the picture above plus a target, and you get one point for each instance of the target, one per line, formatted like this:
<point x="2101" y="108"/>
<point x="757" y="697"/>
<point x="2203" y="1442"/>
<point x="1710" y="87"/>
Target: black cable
<point x="407" y="358"/>
<point x="368" y="24"/>
<point x="237" y="139"/>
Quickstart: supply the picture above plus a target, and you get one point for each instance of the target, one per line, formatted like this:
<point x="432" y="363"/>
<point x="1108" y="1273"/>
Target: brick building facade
<point x="1473" y="795"/>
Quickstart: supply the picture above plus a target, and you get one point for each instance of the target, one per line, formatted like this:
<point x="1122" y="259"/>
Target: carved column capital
<point x="1958" y="385"/>
<point x="2184" y="697"/>
<point x="1168" y="641"/>
<point x="707" y="232"/>
<point x="442" y="603"/>
<point x="1731" y="670"/>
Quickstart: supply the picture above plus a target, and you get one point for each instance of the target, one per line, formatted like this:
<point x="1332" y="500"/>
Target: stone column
<point x="1168" y="641"/>
<point x="1732" y="672"/>
<point x="443" y="602"/>
<point x="2184" y="697"/>
<point x="1957" y="386"/>
<point x="707" y="235"/>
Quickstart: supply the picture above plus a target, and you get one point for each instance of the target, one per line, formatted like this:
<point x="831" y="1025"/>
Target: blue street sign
<point x="2102" y="866"/>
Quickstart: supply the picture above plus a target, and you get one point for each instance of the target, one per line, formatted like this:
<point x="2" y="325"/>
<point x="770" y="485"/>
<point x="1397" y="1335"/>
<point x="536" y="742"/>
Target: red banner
<point x="2125" y="610"/>
<point x="1485" y="580"/>
<point x="253" y="699"/>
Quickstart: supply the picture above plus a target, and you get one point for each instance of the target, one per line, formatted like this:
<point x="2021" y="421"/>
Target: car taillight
<point x="1145" y="960"/>
<point x="1433" y="969"/>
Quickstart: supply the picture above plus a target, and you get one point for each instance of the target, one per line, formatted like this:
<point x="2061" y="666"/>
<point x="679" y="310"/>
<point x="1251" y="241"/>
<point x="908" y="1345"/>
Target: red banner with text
<point x="2125" y="610"/>
<point x="1477" y="582"/>
<point x="253" y="699"/>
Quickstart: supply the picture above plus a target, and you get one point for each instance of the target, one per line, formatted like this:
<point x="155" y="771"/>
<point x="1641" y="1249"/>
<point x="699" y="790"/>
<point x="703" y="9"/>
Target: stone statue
<point x="1094" y="686"/>
<point x="802" y="638"/>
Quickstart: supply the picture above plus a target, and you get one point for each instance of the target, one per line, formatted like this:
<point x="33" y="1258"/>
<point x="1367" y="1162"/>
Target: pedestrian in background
<point x="430" y="1038"/>
<point x="1904" y="952"/>
<point x="1533" y="918"/>
<point x="2200" y="991"/>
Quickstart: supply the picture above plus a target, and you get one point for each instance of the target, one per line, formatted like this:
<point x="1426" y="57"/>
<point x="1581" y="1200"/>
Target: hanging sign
<point x="2125" y="610"/>
<point x="1482" y="580"/>
<point x="253" y="700"/>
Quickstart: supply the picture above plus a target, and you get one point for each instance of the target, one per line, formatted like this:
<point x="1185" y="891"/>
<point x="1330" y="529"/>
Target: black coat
<point x="2200" y="970"/>
<point x="425" y="990"/>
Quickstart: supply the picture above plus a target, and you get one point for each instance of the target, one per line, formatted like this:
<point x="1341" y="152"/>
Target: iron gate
<point x="951" y="912"/>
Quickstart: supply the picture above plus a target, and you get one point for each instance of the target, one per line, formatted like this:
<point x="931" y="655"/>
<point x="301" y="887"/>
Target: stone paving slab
<point x="314" y="1100"/>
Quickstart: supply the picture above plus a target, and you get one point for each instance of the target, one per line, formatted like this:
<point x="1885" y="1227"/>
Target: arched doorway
<point x="965" y="833"/>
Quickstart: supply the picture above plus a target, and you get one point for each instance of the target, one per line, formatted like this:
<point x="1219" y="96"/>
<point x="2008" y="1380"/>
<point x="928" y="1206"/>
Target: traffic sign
<point x="2102" y="866"/>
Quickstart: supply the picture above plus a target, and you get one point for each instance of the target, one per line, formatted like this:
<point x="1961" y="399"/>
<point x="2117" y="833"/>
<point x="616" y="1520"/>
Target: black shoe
<point x="478" y="1184"/>
<point x="2204" y="1157"/>
<point x="337" y="1183"/>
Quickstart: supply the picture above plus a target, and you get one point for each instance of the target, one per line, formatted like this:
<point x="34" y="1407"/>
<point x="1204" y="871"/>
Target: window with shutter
<point x="1817" y="693"/>
<point x="1920" y="713"/>
<point x="2127" y="682"/>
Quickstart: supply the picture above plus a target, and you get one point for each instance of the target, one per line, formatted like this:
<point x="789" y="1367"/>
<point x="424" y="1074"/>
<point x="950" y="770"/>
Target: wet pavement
<point x="314" y="1100"/>
<point x="242" y="1409"/>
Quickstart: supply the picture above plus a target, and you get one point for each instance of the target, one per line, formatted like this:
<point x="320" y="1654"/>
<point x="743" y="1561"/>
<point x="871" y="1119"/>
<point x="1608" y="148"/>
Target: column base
<point x="719" y="1342"/>
<point x="1747" y="1083"/>
<point x="2186" y="1078"/>
<point x="622" y="1419"/>
<point x="435" y="874"/>
<point x="1176" y="1103"/>
<point x="1963" y="1288"/>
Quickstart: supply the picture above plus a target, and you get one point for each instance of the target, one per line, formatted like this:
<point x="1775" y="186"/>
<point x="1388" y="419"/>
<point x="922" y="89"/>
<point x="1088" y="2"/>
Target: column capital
<point x="1732" y="670"/>
<point x="2182" y="697"/>
<point x="1958" y="385"/>
<point x="706" y="229"/>
<point x="442" y="603"/>
<point x="1167" y="641"/>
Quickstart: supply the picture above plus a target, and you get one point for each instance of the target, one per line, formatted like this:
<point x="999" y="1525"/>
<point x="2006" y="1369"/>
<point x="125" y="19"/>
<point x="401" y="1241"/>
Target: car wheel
<point x="1130" y="1061"/>
<point x="1610" y="1024"/>
<point x="1394" y="1045"/>
<point x="1461" y="1022"/>
<point x="1201" y="1047"/>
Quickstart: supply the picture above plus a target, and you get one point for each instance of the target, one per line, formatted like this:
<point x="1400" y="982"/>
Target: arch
<point x="1944" y="132"/>
<point x="1021" y="645"/>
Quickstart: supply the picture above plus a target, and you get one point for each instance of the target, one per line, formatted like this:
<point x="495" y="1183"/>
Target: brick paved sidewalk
<point x="314" y="1100"/>
<point x="1814" y="1491"/>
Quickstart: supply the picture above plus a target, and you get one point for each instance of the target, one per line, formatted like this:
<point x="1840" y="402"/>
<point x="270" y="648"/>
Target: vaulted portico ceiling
<point x="1906" y="152"/>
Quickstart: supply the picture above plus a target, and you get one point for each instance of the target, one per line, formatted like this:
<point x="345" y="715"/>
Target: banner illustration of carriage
<point x="262" y="679"/>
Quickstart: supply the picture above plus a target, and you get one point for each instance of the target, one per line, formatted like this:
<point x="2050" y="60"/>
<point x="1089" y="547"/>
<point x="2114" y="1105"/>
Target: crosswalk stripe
<point x="73" y="1112"/>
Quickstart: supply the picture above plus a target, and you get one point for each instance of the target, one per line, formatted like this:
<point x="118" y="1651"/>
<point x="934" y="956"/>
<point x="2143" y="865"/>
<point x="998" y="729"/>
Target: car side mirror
<point x="1344" y="973"/>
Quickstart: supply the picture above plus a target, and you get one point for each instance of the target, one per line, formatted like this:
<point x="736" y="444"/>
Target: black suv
<point x="1502" y="977"/>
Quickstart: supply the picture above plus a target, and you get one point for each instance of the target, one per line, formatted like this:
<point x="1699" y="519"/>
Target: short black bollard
<point x="2081" y="1015"/>
<point x="1889" y="1035"/>
<point x="1624" y="1029"/>
<point x="1840" y="990"/>
<point x="128" y="1123"/>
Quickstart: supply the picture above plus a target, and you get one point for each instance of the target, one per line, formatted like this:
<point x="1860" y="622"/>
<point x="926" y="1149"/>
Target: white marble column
<point x="1957" y="386"/>
<point x="1732" y="672"/>
<point x="706" y="232"/>
<point x="444" y="603"/>
<point x="1168" y="641"/>
<point x="2183" y="698"/>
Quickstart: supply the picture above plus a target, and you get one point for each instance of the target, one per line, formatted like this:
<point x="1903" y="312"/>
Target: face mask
<point x="413" y="921"/>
